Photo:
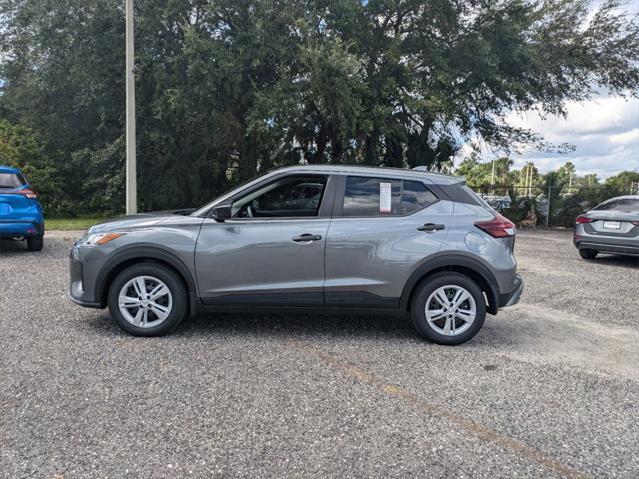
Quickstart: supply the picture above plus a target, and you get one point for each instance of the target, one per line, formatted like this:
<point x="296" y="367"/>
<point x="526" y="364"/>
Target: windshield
<point x="11" y="180"/>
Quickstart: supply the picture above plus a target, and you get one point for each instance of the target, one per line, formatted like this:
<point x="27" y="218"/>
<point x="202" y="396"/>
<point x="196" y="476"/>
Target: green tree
<point x="566" y="175"/>
<point x="627" y="181"/>
<point x="229" y="88"/>
<point x="588" y="180"/>
<point x="478" y="174"/>
<point x="21" y="148"/>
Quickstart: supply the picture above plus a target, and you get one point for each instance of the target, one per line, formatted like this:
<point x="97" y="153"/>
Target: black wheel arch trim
<point x="442" y="261"/>
<point x="152" y="252"/>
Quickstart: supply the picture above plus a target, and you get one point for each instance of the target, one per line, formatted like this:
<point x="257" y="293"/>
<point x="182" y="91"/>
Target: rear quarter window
<point x="416" y="196"/>
<point x="628" y="205"/>
<point x="11" y="180"/>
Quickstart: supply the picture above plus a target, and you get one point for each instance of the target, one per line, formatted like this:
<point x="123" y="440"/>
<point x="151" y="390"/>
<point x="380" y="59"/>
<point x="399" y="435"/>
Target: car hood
<point x="140" y="221"/>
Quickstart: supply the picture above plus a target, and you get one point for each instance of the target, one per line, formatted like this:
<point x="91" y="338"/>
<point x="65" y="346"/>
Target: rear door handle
<point x="307" y="238"/>
<point x="431" y="227"/>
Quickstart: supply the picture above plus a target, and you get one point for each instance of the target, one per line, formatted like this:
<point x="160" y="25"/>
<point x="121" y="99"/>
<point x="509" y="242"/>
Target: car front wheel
<point x="148" y="300"/>
<point x="448" y="308"/>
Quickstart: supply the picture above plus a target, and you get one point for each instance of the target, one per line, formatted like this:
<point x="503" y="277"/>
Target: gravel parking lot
<point x="549" y="388"/>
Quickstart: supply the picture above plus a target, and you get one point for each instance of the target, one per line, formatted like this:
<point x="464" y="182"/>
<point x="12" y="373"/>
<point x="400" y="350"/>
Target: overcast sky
<point x="604" y="130"/>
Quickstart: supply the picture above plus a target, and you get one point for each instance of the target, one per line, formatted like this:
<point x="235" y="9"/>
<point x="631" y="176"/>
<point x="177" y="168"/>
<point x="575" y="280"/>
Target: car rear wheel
<point x="35" y="243"/>
<point x="148" y="300"/>
<point x="588" y="253"/>
<point x="448" y="308"/>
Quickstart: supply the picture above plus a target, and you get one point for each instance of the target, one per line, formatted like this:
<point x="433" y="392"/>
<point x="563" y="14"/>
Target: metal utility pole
<point x="570" y="183"/>
<point x="131" y="167"/>
<point x="531" y="180"/>
<point x="548" y="214"/>
<point x="492" y="181"/>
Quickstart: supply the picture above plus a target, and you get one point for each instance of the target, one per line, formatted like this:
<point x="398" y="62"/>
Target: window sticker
<point x="384" y="197"/>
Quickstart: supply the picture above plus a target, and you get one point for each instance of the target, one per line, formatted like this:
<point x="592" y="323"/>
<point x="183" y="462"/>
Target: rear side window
<point x="371" y="197"/>
<point x="11" y="180"/>
<point x="628" y="205"/>
<point x="384" y="197"/>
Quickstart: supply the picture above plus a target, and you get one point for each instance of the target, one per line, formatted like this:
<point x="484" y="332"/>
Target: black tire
<point x="423" y="292"/>
<point x="588" y="253"/>
<point x="175" y="285"/>
<point x="35" y="243"/>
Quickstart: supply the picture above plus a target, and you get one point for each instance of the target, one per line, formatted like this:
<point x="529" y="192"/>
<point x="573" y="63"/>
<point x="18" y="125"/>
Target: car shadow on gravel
<point x="334" y="325"/>
<point x="13" y="246"/>
<point x="383" y="327"/>
<point x="618" y="261"/>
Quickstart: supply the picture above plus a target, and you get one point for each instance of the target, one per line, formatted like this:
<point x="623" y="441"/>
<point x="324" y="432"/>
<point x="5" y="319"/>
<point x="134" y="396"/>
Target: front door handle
<point x="307" y="238"/>
<point x="431" y="227"/>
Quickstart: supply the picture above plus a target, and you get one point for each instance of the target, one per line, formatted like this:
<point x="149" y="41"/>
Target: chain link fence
<point x="548" y="206"/>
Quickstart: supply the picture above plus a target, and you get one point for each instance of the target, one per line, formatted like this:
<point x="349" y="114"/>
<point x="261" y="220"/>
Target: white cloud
<point x="627" y="137"/>
<point x="604" y="131"/>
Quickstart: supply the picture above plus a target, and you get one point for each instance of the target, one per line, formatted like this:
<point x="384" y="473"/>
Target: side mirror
<point x="222" y="212"/>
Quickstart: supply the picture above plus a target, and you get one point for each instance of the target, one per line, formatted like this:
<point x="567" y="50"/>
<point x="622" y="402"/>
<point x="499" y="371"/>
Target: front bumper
<point x="512" y="297"/>
<point x="80" y="292"/>
<point x="86" y="304"/>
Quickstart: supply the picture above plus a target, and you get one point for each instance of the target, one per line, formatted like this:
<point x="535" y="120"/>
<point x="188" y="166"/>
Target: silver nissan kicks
<point x="309" y="238"/>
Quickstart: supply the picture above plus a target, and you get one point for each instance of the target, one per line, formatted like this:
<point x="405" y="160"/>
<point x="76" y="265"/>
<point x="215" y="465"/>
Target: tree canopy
<point x="228" y="88"/>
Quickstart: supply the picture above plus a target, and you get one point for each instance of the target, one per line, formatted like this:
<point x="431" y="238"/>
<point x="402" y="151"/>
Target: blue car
<point x="20" y="211"/>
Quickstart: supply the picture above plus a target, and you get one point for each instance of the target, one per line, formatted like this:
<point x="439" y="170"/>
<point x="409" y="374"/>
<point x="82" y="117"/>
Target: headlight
<point x="98" y="239"/>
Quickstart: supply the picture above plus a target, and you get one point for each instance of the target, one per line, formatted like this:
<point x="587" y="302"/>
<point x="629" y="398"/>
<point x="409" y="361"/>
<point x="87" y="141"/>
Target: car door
<point x="381" y="229"/>
<point x="271" y="250"/>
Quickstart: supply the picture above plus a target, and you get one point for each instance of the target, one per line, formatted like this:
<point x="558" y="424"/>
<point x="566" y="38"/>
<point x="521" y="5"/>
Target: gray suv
<point x="309" y="238"/>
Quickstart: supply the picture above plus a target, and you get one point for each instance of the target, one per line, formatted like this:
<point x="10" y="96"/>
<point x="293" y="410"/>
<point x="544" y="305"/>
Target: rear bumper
<point x="608" y="247"/>
<point x="586" y="237"/>
<point x="21" y="228"/>
<point x="512" y="297"/>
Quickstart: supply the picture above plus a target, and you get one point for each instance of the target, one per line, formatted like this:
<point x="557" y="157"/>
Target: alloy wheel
<point x="145" y="301"/>
<point x="451" y="310"/>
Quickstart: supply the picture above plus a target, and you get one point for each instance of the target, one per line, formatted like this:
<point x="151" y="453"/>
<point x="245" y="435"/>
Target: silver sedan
<point x="611" y="227"/>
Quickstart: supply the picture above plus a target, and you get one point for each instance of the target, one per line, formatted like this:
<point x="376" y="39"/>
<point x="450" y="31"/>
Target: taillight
<point x="32" y="195"/>
<point x="636" y="223"/>
<point x="583" y="219"/>
<point x="498" y="227"/>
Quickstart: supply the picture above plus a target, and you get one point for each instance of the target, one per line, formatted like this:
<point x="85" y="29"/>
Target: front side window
<point x="283" y="198"/>
<point x="384" y="197"/>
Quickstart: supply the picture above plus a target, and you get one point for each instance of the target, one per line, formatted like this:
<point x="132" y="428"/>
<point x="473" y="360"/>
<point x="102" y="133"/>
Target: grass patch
<point x="71" y="223"/>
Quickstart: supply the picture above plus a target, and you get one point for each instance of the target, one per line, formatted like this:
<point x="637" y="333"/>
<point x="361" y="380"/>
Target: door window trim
<point x="338" y="204"/>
